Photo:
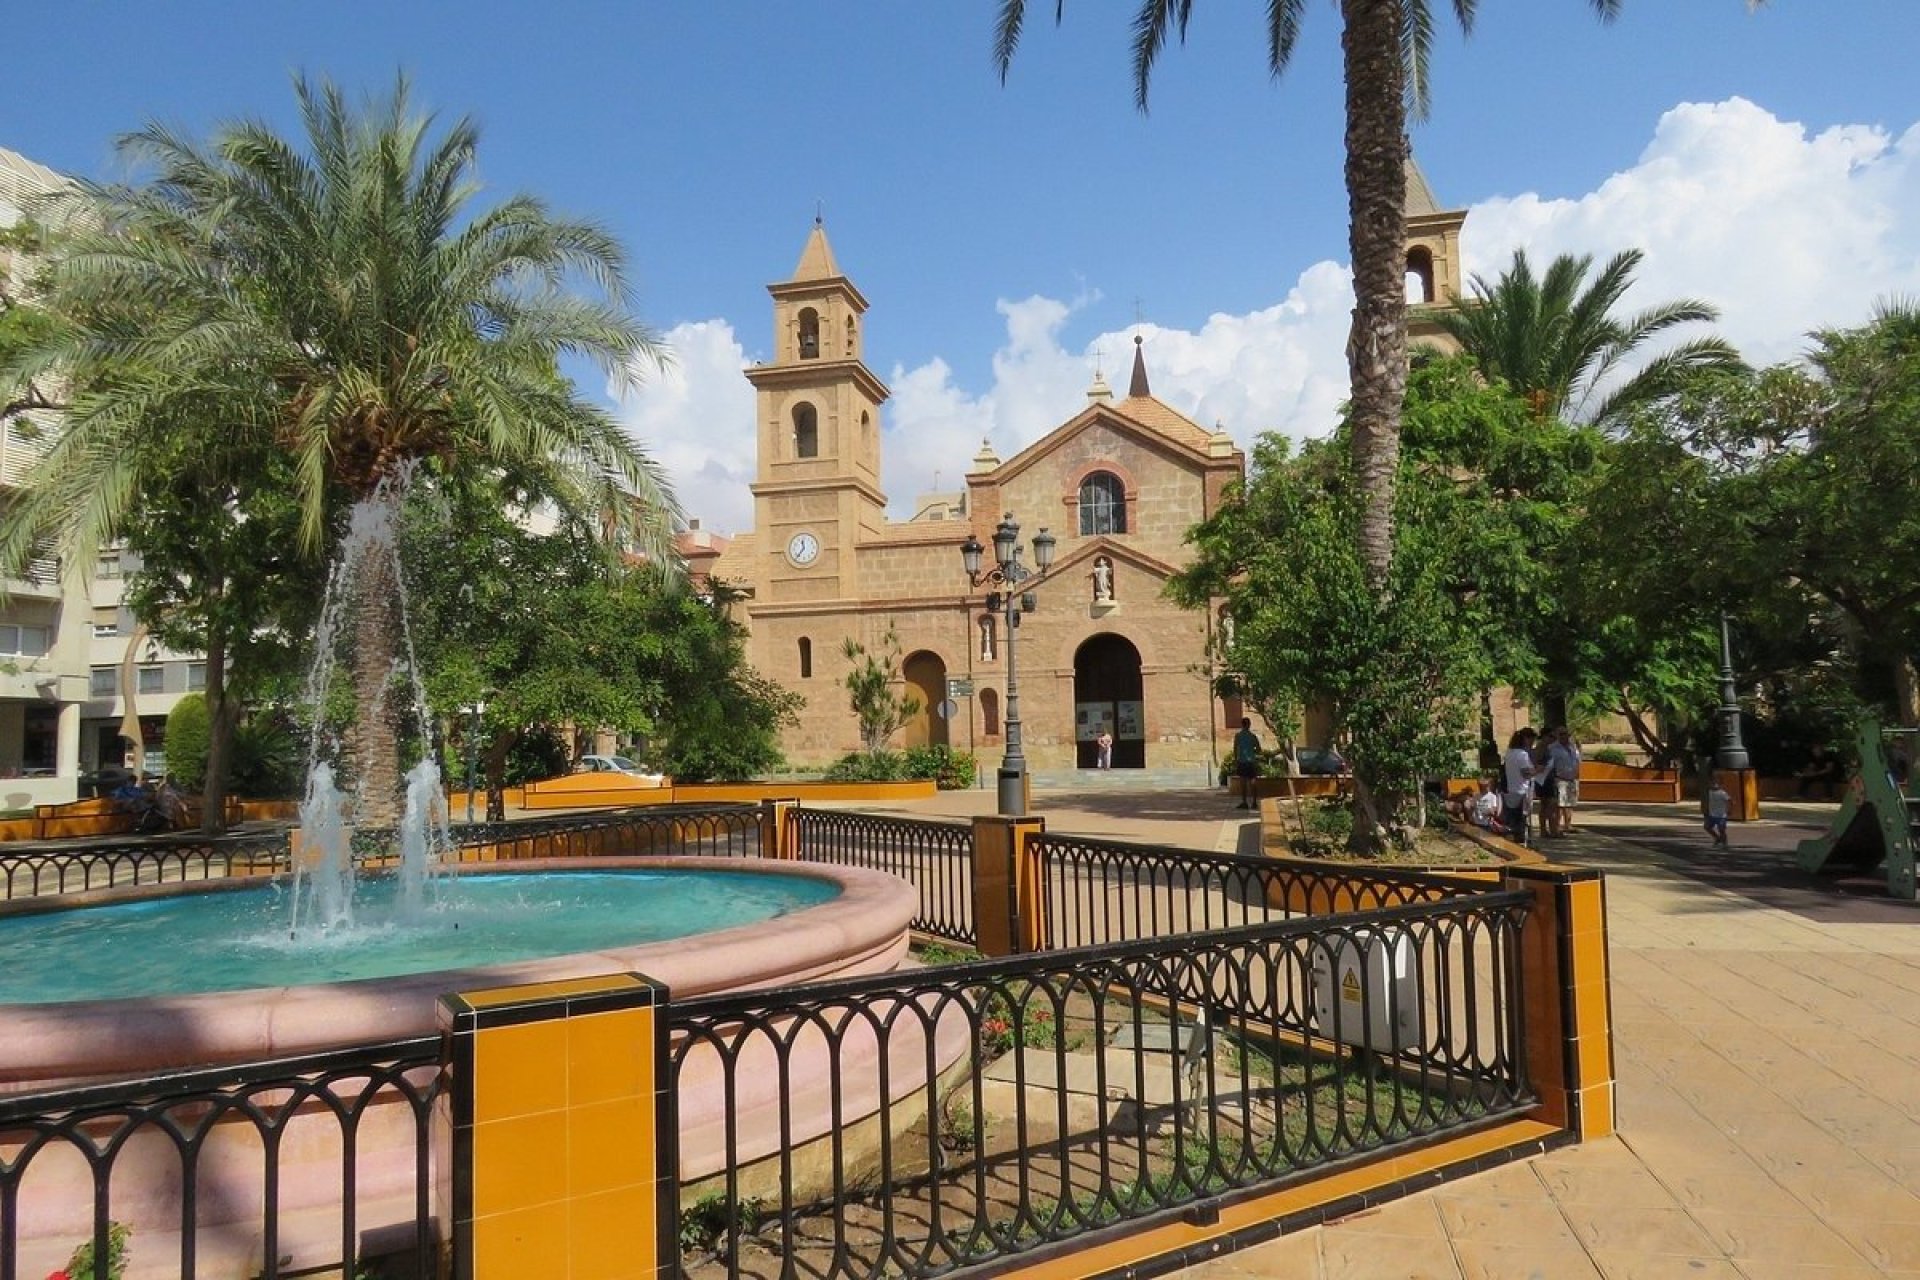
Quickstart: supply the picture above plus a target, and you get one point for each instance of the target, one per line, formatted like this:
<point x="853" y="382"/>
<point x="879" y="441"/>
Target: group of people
<point x="1540" y="775"/>
<point x="159" y="807"/>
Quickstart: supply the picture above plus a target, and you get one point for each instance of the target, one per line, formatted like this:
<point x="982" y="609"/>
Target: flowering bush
<point x="1004" y="1027"/>
<point x="80" y="1265"/>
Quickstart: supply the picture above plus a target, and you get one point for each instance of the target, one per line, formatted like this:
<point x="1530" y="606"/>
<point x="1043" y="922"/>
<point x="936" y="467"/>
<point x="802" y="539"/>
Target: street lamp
<point x="1731" y="753"/>
<point x="475" y="712"/>
<point x="1007" y="599"/>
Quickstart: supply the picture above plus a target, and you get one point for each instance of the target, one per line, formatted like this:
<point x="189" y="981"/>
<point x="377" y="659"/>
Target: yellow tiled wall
<point x="556" y="1112"/>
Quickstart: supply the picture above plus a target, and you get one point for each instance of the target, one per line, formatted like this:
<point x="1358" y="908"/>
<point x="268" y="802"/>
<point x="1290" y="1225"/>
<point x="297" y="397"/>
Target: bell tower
<point x="1433" y="260"/>
<point x="817" y="405"/>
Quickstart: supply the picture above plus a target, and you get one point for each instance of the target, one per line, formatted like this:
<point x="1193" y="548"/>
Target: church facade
<point x="1118" y="484"/>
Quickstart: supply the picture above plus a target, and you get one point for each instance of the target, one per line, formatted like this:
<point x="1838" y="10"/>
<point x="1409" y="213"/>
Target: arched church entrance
<point x="1107" y="696"/>
<point x="926" y="677"/>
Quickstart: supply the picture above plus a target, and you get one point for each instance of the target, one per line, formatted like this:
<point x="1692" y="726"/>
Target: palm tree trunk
<point x="372" y="745"/>
<point x="1377" y="239"/>
<point x="223" y="713"/>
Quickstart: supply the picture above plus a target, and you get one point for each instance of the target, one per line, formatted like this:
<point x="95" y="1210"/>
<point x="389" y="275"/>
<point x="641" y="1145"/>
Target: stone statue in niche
<point x="986" y="639"/>
<point x="1102" y="581"/>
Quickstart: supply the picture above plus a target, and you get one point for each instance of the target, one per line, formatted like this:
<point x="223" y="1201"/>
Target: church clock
<point x="803" y="549"/>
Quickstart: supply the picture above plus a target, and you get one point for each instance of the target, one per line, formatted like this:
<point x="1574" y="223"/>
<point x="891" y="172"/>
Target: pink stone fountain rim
<point x="862" y="930"/>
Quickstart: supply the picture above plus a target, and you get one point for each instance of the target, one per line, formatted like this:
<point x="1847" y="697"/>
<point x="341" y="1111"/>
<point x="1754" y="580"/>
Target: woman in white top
<point x="1517" y="788"/>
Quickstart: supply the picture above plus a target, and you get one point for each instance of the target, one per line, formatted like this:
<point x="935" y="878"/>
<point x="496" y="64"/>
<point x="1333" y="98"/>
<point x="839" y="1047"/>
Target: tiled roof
<point x="1159" y="417"/>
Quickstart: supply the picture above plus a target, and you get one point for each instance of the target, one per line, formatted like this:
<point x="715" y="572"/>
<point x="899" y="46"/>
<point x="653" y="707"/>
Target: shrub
<point x="868" y="766"/>
<point x="267" y="762"/>
<point x="189" y="738"/>
<point x="1608" y="755"/>
<point x="951" y="770"/>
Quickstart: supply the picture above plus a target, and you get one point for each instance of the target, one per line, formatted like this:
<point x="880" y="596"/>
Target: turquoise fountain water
<point x="237" y="940"/>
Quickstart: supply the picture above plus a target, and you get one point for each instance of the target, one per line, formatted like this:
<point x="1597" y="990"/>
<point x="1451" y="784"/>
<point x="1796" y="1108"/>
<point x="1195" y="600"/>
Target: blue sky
<point x="1766" y="161"/>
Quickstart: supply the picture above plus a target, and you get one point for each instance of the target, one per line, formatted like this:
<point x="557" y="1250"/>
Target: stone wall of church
<point x="1164" y="499"/>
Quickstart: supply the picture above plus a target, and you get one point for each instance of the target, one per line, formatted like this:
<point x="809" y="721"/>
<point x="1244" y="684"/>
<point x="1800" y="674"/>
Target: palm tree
<point x="1556" y="339"/>
<point x="1385" y="46"/>
<point x="344" y="304"/>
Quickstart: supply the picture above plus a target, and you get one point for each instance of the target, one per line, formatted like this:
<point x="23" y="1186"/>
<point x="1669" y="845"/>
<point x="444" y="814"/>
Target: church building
<point x="1117" y="484"/>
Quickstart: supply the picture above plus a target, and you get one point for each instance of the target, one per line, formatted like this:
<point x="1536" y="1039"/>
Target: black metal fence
<point x="1196" y="1028"/>
<point x="936" y="857"/>
<point x="267" y="1169"/>
<point x="724" y="831"/>
<point x="79" y="868"/>
<point x="672" y="830"/>
<point x="1095" y="891"/>
<point x="915" y="1123"/>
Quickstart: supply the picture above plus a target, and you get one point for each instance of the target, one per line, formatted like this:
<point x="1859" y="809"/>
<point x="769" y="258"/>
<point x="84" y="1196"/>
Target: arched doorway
<point x="926" y="677"/>
<point x="1107" y="695"/>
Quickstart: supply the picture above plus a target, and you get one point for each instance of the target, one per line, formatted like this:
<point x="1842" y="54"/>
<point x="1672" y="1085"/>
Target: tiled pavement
<point x="1768" y="1038"/>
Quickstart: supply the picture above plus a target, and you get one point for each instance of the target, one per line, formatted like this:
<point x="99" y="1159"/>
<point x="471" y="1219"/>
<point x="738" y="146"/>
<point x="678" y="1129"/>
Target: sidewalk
<point x="1767" y="1031"/>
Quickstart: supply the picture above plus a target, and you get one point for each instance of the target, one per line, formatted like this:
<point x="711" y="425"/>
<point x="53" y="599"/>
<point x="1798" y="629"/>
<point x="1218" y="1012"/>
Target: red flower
<point x="61" y="1274"/>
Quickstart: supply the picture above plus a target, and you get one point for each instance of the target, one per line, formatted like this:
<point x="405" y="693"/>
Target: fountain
<point x="796" y="923"/>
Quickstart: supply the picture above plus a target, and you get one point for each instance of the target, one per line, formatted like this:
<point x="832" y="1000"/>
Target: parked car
<point x="1321" y="762"/>
<point x="607" y="764"/>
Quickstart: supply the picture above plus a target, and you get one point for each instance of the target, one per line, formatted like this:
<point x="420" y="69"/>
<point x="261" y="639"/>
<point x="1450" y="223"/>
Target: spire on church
<point x="1138" y="387"/>
<point x="985" y="460"/>
<point x="1420" y="197"/>
<point x="816" y="260"/>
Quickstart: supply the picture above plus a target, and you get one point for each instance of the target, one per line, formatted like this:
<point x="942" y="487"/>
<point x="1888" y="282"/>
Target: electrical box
<point x="1366" y="991"/>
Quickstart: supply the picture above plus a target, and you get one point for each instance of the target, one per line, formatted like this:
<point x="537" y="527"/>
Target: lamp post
<point x="1731" y="753"/>
<point x="475" y="712"/>
<point x="1008" y="598"/>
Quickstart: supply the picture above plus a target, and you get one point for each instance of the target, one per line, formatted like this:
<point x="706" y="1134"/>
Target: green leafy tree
<point x="189" y="737"/>
<point x="1386" y="47"/>
<point x="24" y="325"/>
<point x="870" y="682"/>
<point x="1784" y="497"/>
<point x="552" y="633"/>
<point x="342" y="301"/>
<point x="1557" y="338"/>
<point x="1397" y="678"/>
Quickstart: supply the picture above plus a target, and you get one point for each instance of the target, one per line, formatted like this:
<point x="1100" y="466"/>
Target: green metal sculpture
<point x="1876" y="821"/>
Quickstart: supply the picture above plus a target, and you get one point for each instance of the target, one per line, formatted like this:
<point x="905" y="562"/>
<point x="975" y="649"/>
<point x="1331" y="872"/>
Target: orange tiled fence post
<point x="778" y="837"/>
<point x="1007" y="902"/>
<point x="557" y="1132"/>
<point x="1569" y="1016"/>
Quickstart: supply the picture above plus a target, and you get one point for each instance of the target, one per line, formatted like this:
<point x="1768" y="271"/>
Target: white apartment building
<point x="72" y="665"/>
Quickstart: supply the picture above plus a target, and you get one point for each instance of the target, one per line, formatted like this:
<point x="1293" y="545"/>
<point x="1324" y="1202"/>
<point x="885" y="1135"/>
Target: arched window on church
<point x="987" y="637"/>
<point x="990" y="713"/>
<point x="806" y="658"/>
<point x="852" y="352"/>
<point x="806" y="431"/>
<point x="866" y="426"/>
<point x="809" y="334"/>
<point x="1103" y="504"/>
<point x="1420" y="275"/>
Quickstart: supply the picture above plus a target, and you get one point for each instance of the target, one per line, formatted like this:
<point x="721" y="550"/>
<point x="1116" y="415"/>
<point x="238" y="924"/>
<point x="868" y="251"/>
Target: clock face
<point x="803" y="549"/>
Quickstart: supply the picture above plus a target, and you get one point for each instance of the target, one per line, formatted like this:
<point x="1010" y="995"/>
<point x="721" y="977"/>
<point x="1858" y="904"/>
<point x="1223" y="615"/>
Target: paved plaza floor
<point x="1767" y="1029"/>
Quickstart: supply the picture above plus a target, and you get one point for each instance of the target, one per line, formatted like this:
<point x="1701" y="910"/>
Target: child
<point x="1486" y="807"/>
<point x="1717" y="803"/>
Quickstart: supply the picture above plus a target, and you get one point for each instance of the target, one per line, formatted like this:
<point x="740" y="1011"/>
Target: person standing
<point x="1103" y="751"/>
<point x="1516" y="791"/>
<point x="1563" y="766"/>
<point x="1246" y="760"/>
<point x="1718" y="802"/>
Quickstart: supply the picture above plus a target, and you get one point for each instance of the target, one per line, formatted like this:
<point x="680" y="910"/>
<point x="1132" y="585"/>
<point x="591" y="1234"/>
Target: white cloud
<point x="695" y="418"/>
<point x="1783" y="230"/>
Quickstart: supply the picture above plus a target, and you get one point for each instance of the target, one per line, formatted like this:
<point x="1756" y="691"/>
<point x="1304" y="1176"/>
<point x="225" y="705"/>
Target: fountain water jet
<point x="366" y="598"/>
